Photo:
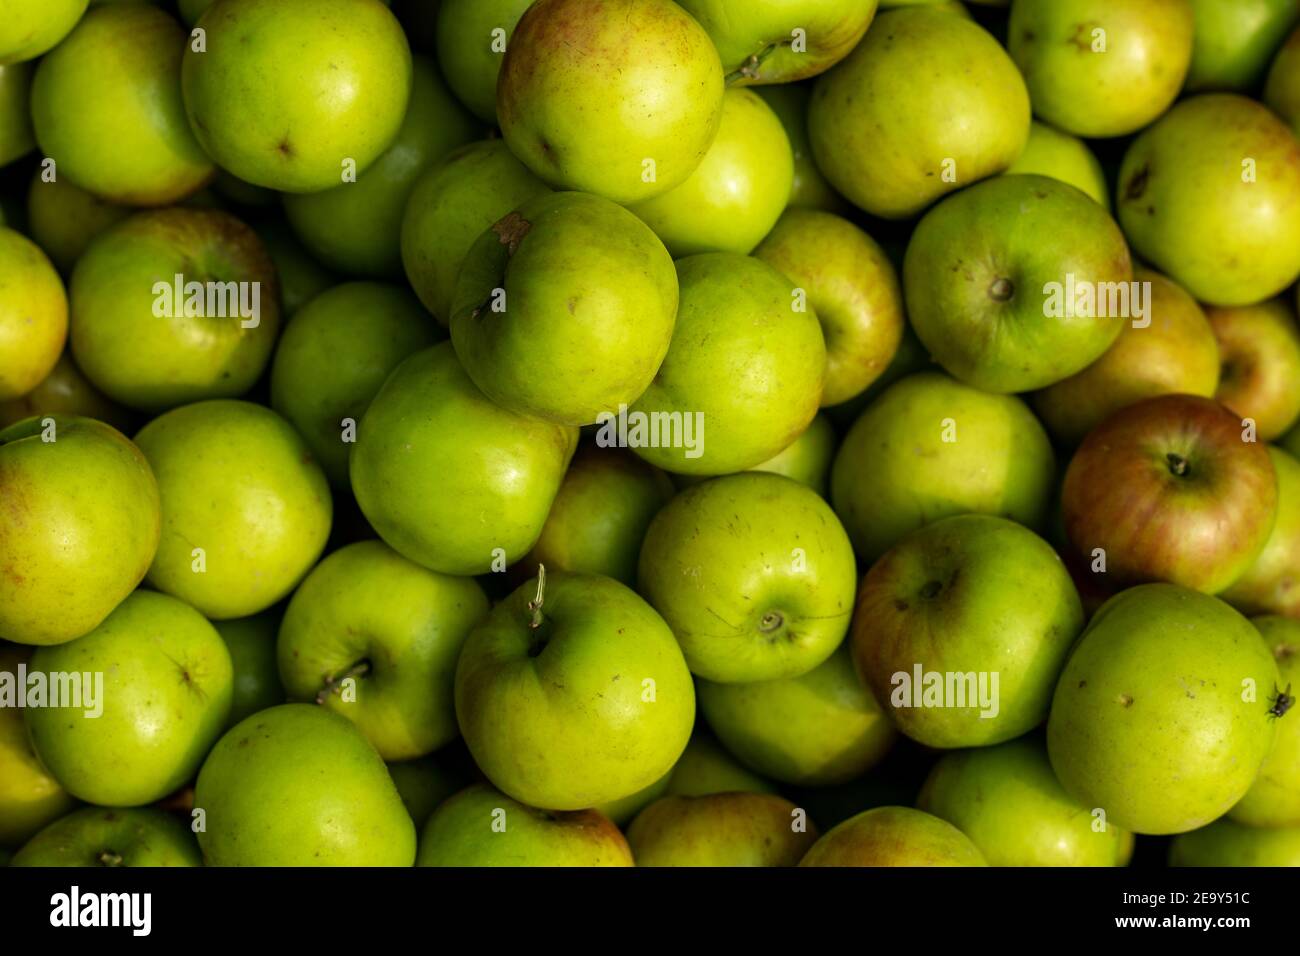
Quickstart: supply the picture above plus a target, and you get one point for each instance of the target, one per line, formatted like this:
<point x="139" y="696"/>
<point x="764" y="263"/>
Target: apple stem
<point x="359" y="669"/>
<point x="535" y="605"/>
<point x="750" y="67"/>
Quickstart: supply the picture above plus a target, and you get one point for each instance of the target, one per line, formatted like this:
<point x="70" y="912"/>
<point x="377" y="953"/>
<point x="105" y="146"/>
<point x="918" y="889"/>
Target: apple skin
<point x="166" y="694"/>
<point x="806" y="460"/>
<point x="423" y="784"/>
<point x="1282" y="90"/>
<point x="355" y="227"/>
<point x="1059" y="155"/>
<point x="997" y="246"/>
<point x="63" y="218"/>
<point x="300" y="278"/>
<point x="705" y="767"/>
<point x="754" y="574"/>
<point x="739" y="190"/>
<point x="449" y="479"/>
<point x="1111" y="91"/>
<point x="590" y="296"/>
<point x="95" y="836"/>
<point x="367" y="605"/>
<point x="453" y="204"/>
<point x="261" y="789"/>
<point x="1235" y="39"/>
<point x="810" y="189"/>
<point x="33" y="315"/>
<point x="894" y="836"/>
<point x="32" y="29"/>
<point x="591" y="89"/>
<point x="820" y="728"/>
<point x="1187" y="209"/>
<point x="251" y="643"/>
<point x="741" y="356"/>
<point x="89" y="515"/>
<point x="1156" y="657"/>
<point x="30" y="797"/>
<point x="463" y="832"/>
<point x="1227" y="843"/>
<point x="1176" y="353"/>
<point x="1274" y="798"/>
<point x="894" y="472"/>
<point x="720" y="829"/>
<point x="129" y="141"/>
<point x="1272" y="584"/>
<point x="1170" y="491"/>
<point x="320" y="82"/>
<point x="16" y="136"/>
<point x="621" y="811"/>
<point x="237" y="481"/>
<point x="465" y="48"/>
<point x="1007" y="800"/>
<point x="852" y="286"/>
<point x="1259" y="346"/>
<point x="592" y="705"/>
<point x="334" y="356"/>
<point x="869" y="105"/>
<point x="153" y="362"/>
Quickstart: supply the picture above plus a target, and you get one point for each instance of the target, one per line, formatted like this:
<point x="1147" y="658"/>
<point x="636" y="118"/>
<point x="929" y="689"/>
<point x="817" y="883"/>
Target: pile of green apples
<point x="712" y="432"/>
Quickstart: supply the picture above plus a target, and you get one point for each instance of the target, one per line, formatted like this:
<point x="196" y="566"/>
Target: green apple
<point x="395" y="630"/>
<point x="453" y="204"/>
<point x="705" y="767"/>
<point x="423" y="784"/>
<point x="65" y="391"/>
<point x="297" y="785"/>
<point x="16" y="136"/>
<point x="1282" y="91"/>
<point x="448" y="479"/>
<point x="1274" y="798"/>
<point x="1227" y="843"/>
<point x="355" y="227"/>
<point x="929" y="447"/>
<point x="621" y="98"/>
<point x="1235" y="40"/>
<point x="82" y="507"/>
<point x="1017" y="283"/>
<point x="251" y="643"/>
<point x="333" y="357"/>
<point x="1008" y="801"/>
<point x="754" y="574"/>
<point x="1259" y="348"/>
<point x="29" y="29"/>
<point x="851" y="285"/>
<point x="115" y="837"/>
<point x="622" y="811"/>
<point x="894" y="836"/>
<point x="191" y="10"/>
<point x="164" y="698"/>
<point x="872" y="104"/>
<point x="810" y="190"/>
<point x="472" y="37"/>
<point x="721" y="829"/>
<point x="481" y="826"/>
<point x="1101" y="68"/>
<point x="294" y="94"/>
<point x="33" y="315"/>
<point x="1058" y="155"/>
<point x="564" y="308"/>
<point x="808" y="458"/>
<point x="1172" y="351"/>
<point x="300" y="278"/>
<point x="820" y="728"/>
<point x="29" y="797"/>
<point x="1161" y="717"/>
<point x="128" y="140"/>
<point x="737" y="193"/>
<point x="573" y="693"/>
<point x="172" y="306"/>
<point x="1199" y="193"/>
<point x="747" y="362"/>
<point x="64" y="218"/>
<point x="245" y="508"/>
<point x="1272" y="584"/>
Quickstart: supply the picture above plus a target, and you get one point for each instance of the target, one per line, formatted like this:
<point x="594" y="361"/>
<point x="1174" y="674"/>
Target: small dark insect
<point x="1281" y="701"/>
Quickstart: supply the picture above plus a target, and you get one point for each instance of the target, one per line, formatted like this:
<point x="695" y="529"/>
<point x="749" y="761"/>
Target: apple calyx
<point x="109" y="858"/>
<point x="1179" y="466"/>
<point x="1002" y="289"/>
<point x="334" y="684"/>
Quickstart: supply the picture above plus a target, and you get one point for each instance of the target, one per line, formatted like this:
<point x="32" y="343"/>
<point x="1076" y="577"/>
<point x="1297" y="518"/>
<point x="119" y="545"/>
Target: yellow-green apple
<point x="333" y="357"/>
<point x="246" y="510"/>
<point x="1208" y="195"/>
<point x="423" y="784"/>
<point x="1171" y="351"/>
<point x="16" y="136"/>
<point x="448" y="479"/>
<point x="1156" y="657"/>
<point x="1274" y="798"/>
<point x="1272" y="584"/>
<point x="94" y="836"/>
<point x="721" y="829"/>
<point x="869" y="105"/>
<point x="810" y="189"/>
<point x="820" y="728"/>
<point x="747" y="362"/>
<point x="191" y="10"/>
<point x="251" y="643"/>
<point x="355" y="227"/>
<point x="297" y="785"/>
<point x="64" y="218"/>
<point x="1101" y="68"/>
<point x="754" y="574"/>
<point x="1008" y="801"/>
<point x="1173" y="488"/>
<point x="29" y="29"/>
<point x="622" y="811"/>
<point x="1058" y="155"/>
<point x="1235" y="40"/>
<point x="173" y="306"/>
<point x="1259" y="348"/>
<point x="295" y="94"/>
<point x="1007" y="313"/>
<point x="1228" y="843"/>
<point x="128" y="141"/>
<point x="1282" y="90"/>
<point x="80" y="527"/>
<point x="621" y="98"/>
<point x="154" y="682"/>
<point x="705" y="767"/>
<point x="573" y="693"/>
<point x="894" y="836"/>
<point x="300" y="278"/>
<point x="375" y="637"/>
<point x="853" y="288"/>
<point x="481" y="826"/>
<point x="564" y="308"/>
<point x="807" y="459"/>
<point x="929" y="447"/>
<point x="472" y="37"/>
<point x="30" y="797"/>
<point x="33" y="315"/>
